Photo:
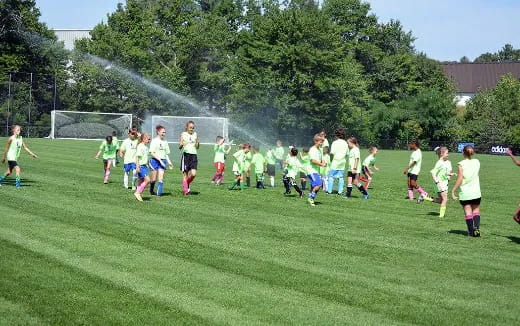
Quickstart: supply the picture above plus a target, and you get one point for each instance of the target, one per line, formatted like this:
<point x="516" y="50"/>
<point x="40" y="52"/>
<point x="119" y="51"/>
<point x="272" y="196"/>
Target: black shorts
<point x="271" y="168"/>
<point x="352" y="175"/>
<point x="412" y="176"/>
<point x="475" y="201"/>
<point x="12" y="164"/>
<point x="364" y="169"/>
<point x="188" y="162"/>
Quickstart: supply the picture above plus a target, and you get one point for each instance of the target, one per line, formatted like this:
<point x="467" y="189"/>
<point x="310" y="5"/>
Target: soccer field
<point x="75" y="251"/>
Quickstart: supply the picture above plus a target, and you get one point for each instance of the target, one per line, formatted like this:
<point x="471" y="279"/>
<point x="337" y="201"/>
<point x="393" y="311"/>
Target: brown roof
<point x="470" y="77"/>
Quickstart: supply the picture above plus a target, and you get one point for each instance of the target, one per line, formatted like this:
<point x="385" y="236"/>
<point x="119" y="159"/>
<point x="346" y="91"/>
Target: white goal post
<point x="88" y="125"/>
<point x="207" y="128"/>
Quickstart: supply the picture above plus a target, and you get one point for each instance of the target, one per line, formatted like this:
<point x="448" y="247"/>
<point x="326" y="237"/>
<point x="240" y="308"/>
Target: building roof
<point x="470" y="77"/>
<point x="69" y="36"/>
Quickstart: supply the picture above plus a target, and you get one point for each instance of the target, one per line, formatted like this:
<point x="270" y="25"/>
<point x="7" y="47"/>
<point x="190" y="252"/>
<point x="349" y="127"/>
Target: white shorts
<point x="442" y="186"/>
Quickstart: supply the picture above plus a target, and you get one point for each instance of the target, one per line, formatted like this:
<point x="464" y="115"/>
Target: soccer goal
<point x="207" y="128"/>
<point x="88" y="125"/>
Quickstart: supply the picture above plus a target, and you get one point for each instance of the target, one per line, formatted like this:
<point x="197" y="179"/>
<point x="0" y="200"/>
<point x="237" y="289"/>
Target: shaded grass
<point x="75" y="251"/>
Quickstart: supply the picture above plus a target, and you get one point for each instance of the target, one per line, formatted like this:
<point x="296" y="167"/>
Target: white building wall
<point x="69" y="36"/>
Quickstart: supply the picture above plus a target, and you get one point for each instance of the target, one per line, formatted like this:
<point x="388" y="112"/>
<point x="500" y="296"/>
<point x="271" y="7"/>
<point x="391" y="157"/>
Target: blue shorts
<point x="143" y="171"/>
<point x="336" y="174"/>
<point x="314" y="179"/>
<point x="156" y="165"/>
<point x="129" y="167"/>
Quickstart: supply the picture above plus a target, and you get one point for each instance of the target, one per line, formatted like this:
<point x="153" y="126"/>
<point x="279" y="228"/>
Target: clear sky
<point x="445" y="29"/>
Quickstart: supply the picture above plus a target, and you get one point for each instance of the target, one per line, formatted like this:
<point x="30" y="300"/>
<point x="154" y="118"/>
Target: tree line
<point x="283" y="68"/>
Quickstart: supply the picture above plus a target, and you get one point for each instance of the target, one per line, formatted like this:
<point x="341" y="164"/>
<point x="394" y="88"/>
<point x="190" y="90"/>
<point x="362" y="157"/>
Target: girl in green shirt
<point x="469" y="194"/>
<point x="109" y="150"/>
<point x="12" y="150"/>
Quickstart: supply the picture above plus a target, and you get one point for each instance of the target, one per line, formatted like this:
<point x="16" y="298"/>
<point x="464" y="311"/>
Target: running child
<point x="316" y="163"/>
<point x="469" y="194"/>
<point x="109" y="150"/>
<point x="441" y="175"/>
<point x="115" y="141"/>
<point x="141" y="163"/>
<point x="339" y="151"/>
<point x="279" y="153"/>
<point x="258" y="161"/>
<point x="248" y="158"/>
<point x="220" y="160"/>
<point x="326" y="169"/>
<point x="127" y="151"/>
<point x="189" y="144"/>
<point x="271" y="165"/>
<point x="412" y="172"/>
<point x="293" y="167"/>
<point x="306" y="165"/>
<point x="354" y="160"/>
<point x="509" y="152"/>
<point x="159" y="159"/>
<point x="12" y="150"/>
<point x="238" y="167"/>
<point x="369" y="163"/>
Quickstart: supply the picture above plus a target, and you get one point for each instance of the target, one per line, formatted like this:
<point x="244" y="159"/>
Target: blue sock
<point x="312" y="195"/>
<point x="159" y="188"/>
<point x="330" y="185"/>
<point x="341" y="184"/>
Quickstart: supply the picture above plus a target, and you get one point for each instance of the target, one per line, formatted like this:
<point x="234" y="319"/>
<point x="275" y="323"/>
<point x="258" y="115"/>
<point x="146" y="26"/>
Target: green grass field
<point x="75" y="251"/>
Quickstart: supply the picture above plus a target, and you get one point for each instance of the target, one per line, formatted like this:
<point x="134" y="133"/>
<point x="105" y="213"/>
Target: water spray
<point x="203" y="110"/>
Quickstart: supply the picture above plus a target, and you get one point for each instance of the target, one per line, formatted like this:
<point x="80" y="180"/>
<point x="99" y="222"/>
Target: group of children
<point x="320" y="165"/>
<point x="148" y="164"/>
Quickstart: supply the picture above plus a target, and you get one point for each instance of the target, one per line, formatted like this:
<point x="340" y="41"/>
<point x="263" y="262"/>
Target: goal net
<point x="88" y="125"/>
<point x="207" y="128"/>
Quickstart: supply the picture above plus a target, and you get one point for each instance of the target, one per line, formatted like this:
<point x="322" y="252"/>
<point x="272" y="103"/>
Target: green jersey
<point x="470" y="187"/>
<point x="259" y="161"/>
<point x="369" y="161"/>
<point x="417" y="158"/>
<point x="316" y="155"/>
<point x="109" y="150"/>
<point x="294" y="166"/>
<point x="142" y="154"/>
<point x="441" y="171"/>
<point x="159" y="148"/>
<point x="269" y="157"/>
<point x="15" y="148"/>
<point x="220" y="153"/>
<point x="306" y="164"/>
<point x="129" y="147"/>
<point x="189" y="141"/>
<point x="115" y="141"/>
<point x="279" y="152"/>
<point x="325" y="169"/>
<point x="339" y="150"/>
<point x="353" y="156"/>
<point x="238" y="165"/>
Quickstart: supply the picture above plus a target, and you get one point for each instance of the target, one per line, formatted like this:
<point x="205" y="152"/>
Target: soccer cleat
<point x="366" y="196"/>
<point x="287" y="192"/>
<point x="476" y="233"/>
<point x="516" y="218"/>
<point x="428" y="198"/>
<point x="311" y="201"/>
<point x="18" y="185"/>
<point x="420" y="199"/>
<point x="138" y="196"/>
<point x="133" y="187"/>
<point x="346" y="197"/>
<point x="105" y="181"/>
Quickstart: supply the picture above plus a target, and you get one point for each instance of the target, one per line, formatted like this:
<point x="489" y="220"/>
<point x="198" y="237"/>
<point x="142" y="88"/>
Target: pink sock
<point x="185" y="186"/>
<point x="421" y="191"/>
<point x="476" y="214"/>
<point x="410" y="193"/>
<point x="469" y="217"/>
<point x="141" y="187"/>
<point x="215" y="177"/>
<point x="220" y="178"/>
